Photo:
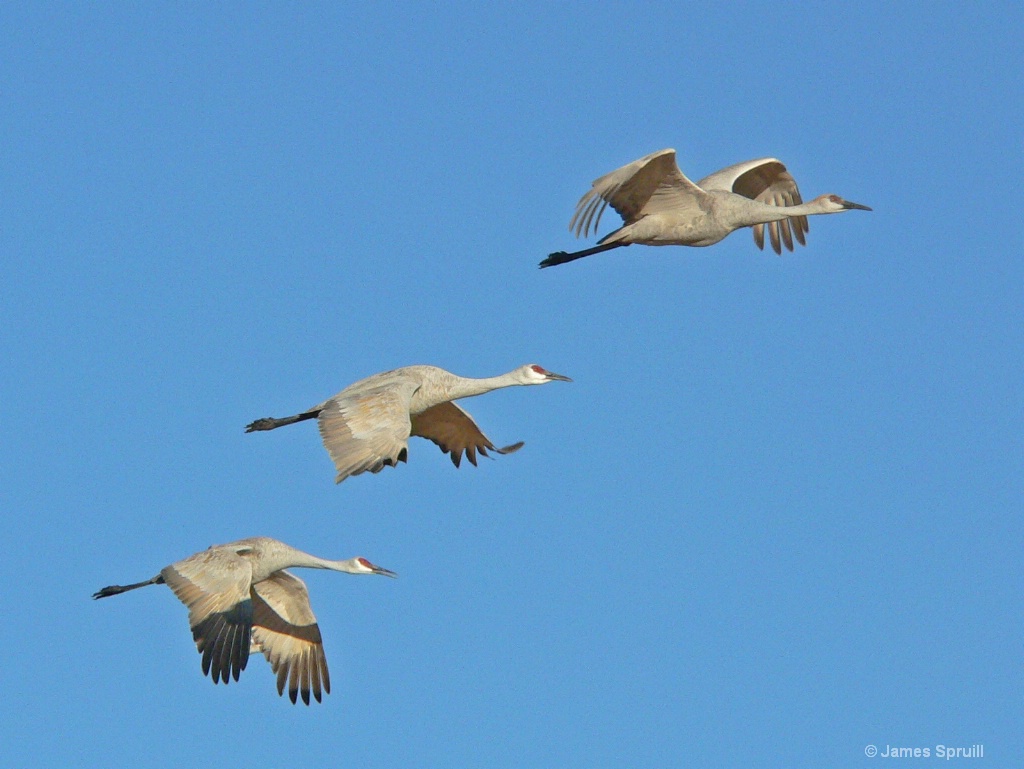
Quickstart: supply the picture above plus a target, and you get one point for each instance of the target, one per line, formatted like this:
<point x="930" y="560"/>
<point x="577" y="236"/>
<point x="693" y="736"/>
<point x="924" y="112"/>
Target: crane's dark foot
<point x="110" y="590"/>
<point x="269" y="423"/>
<point x="266" y="423"/>
<point x="559" y="257"/>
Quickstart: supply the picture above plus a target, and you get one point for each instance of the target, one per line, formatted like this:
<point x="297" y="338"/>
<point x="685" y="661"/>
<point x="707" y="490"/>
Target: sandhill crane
<point x="661" y="207"/>
<point x="241" y="600"/>
<point x="366" y="426"/>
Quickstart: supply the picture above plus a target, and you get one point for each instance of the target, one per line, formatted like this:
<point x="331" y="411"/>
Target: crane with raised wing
<point x="659" y="206"/>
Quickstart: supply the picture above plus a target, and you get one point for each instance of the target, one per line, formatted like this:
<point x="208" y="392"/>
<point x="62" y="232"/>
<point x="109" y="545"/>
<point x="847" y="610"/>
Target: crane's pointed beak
<point x="847" y="204"/>
<point x="384" y="572"/>
<point x="553" y="377"/>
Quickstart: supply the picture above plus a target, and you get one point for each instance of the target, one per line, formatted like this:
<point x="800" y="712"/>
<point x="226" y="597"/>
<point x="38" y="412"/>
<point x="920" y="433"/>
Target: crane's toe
<point x="264" y="423"/>
<point x="558" y="257"/>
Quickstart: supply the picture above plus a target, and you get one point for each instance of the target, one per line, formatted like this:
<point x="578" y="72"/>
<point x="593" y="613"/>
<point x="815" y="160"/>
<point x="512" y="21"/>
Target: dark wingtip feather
<point x="282" y="677"/>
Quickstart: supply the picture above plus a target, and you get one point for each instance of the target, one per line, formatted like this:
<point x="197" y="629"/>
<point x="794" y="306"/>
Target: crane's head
<point x="833" y="204"/>
<point x="363" y="566"/>
<point x="532" y="374"/>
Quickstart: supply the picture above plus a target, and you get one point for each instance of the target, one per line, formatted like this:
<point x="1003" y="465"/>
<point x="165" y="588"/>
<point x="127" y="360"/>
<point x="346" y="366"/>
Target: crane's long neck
<point x="270" y="555"/>
<point x="744" y="212"/>
<point x="463" y="387"/>
<point x="305" y="560"/>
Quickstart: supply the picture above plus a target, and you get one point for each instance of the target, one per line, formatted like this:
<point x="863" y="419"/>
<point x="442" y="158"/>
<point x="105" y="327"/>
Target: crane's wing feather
<point x="652" y="184"/>
<point x="450" y="427"/>
<point x="367" y="431"/>
<point x="214" y="585"/>
<point x="285" y="630"/>
<point x="757" y="175"/>
<point x="767" y="181"/>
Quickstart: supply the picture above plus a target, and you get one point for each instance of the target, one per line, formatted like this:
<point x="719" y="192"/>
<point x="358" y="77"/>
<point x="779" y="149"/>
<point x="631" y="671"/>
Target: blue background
<point x="776" y="517"/>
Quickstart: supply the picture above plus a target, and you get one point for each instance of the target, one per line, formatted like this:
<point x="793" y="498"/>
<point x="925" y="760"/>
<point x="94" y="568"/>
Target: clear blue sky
<point x="776" y="517"/>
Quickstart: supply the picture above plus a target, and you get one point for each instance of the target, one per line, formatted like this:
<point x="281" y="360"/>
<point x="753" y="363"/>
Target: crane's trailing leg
<point x="269" y="423"/>
<point x="110" y="590"/>
<point x="561" y="257"/>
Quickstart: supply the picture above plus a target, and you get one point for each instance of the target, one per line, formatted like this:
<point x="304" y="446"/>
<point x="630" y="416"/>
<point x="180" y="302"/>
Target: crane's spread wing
<point x="767" y="181"/>
<point x="285" y="630"/>
<point x="450" y="427"/>
<point x="367" y="431"/>
<point x="653" y="184"/>
<point x="214" y="585"/>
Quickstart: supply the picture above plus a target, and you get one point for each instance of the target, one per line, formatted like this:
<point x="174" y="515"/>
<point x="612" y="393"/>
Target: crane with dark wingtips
<point x="366" y="427"/>
<point x="241" y="600"/>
